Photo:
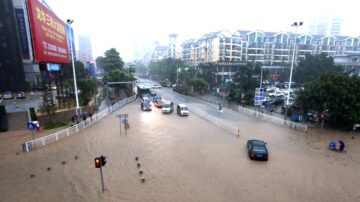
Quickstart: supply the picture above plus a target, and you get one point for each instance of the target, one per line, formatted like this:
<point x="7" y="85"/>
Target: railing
<point x="43" y="141"/>
<point x="262" y="116"/>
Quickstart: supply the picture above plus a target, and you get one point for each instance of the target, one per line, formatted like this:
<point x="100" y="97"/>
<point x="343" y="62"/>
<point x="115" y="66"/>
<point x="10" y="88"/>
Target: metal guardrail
<point x="263" y="116"/>
<point x="43" y="141"/>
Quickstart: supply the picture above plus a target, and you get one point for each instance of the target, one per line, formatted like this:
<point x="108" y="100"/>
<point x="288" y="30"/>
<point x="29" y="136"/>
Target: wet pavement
<point x="183" y="159"/>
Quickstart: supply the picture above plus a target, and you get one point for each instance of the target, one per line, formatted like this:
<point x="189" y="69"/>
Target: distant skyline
<point x="132" y="26"/>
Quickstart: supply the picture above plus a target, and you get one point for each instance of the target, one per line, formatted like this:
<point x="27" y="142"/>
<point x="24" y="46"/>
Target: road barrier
<point x="262" y="116"/>
<point x="43" y="141"/>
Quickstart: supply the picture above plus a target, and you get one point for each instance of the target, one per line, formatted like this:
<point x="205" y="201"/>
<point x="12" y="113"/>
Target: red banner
<point x="48" y="34"/>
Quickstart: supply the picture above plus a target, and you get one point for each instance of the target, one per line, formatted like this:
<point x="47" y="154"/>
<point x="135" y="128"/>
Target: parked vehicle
<point x="8" y="95"/>
<point x="182" y="110"/>
<point x="156" y="86"/>
<point x="257" y="150"/>
<point x="168" y="107"/>
<point x="21" y="95"/>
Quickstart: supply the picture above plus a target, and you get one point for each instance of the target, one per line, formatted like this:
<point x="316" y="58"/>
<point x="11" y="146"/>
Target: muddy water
<point x="183" y="159"/>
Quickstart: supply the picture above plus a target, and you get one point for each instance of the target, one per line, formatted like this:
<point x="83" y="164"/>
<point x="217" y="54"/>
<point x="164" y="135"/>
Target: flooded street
<point x="183" y="159"/>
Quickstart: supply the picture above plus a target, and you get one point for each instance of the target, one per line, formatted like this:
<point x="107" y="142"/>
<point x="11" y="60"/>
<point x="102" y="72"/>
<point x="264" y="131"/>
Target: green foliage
<point x="199" y="84"/>
<point x="55" y="125"/>
<point x="208" y="74"/>
<point x="80" y="71"/>
<point x="313" y="66"/>
<point x="339" y="92"/>
<point x="245" y="82"/>
<point x="182" y="89"/>
<point x="87" y="89"/>
<point x="166" y="69"/>
<point x="112" y="61"/>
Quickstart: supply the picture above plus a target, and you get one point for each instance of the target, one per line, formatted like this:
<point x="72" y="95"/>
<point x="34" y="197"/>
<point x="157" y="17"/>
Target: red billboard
<point x="48" y="34"/>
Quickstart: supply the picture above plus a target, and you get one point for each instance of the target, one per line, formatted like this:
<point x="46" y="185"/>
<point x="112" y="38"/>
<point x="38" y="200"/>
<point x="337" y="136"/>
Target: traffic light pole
<point x="102" y="179"/>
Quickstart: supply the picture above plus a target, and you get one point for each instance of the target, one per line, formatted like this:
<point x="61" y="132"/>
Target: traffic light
<point x="322" y="117"/>
<point x="97" y="162"/>
<point x="103" y="160"/>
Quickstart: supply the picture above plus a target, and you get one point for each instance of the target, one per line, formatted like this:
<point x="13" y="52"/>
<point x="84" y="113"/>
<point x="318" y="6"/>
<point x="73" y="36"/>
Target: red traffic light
<point x="97" y="162"/>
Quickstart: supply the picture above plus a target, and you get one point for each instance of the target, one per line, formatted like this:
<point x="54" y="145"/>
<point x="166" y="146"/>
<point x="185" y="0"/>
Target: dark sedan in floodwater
<point x="257" y="150"/>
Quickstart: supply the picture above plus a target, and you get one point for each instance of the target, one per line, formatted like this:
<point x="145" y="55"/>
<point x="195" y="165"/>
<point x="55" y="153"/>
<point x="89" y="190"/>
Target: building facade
<point x="12" y="75"/>
<point x="85" y="49"/>
<point x="230" y="50"/>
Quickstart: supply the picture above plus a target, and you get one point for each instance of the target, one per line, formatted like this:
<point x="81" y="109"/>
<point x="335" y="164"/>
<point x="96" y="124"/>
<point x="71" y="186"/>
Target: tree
<point x="87" y="89"/>
<point x="245" y="82"/>
<point x="166" y="68"/>
<point x="208" y="73"/>
<point x="199" y="84"/>
<point x="111" y="61"/>
<point x="313" y="66"/>
<point x="80" y="71"/>
<point x="340" y="94"/>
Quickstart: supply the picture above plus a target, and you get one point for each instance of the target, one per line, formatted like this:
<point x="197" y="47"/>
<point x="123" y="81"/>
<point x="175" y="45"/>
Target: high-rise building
<point x="12" y="76"/>
<point x="85" y="49"/>
<point x="329" y="24"/>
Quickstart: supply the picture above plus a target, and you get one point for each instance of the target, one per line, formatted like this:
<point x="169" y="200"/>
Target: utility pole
<point x="323" y="116"/>
<point x="177" y="75"/>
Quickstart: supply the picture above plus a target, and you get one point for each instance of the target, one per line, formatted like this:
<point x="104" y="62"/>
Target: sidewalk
<point x="233" y="105"/>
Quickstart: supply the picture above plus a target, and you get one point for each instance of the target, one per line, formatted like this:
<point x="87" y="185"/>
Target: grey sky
<point x="132" y="26"/>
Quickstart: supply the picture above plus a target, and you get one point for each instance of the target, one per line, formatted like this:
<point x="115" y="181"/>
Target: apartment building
<point x="230" y="50"/>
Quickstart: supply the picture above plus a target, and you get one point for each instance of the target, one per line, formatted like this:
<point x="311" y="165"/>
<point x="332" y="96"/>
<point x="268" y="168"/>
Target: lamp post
<point x="78" y="112"/>
<point x="261" y="76"/>
<point x="296" y="25"/>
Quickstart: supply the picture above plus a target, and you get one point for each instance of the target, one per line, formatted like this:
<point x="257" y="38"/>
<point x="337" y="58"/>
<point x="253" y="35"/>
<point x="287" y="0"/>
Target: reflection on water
<point x="183" y="159"/>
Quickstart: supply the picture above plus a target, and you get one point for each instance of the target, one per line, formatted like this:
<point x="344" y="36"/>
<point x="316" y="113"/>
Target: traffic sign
<point x="259" y="96"/>
<point x="30" y="125"/>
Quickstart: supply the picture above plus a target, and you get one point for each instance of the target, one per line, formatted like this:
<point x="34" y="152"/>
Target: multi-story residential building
<point x="230" y="50"/>
<point x="169" y="51"/>
<point x="351" y="63"/>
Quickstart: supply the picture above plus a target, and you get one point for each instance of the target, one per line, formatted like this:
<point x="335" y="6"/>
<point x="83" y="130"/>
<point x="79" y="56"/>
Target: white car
<point x="8" y="95"/>
<point x="156" y="86"/>
<point x="182" y="110"/>
<point x="168" y="107"/>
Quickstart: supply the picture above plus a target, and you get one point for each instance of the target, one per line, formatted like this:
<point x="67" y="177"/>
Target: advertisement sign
<point x="53" y="67"/>
<point x="20" y="19"/>
<point x="70" y="41"/>
<point x="48" y="34"/>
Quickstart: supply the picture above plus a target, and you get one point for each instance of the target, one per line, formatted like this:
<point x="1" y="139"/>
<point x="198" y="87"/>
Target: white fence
<point x="256" y="114"/>
<point x="43" y="141"/>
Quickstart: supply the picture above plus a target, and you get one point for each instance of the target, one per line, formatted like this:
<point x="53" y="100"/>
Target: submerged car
<point x="146" y="106"/>
<point x="257" y="150"/>
<point x="158" y="102"/>
<point x="168" y="107"/>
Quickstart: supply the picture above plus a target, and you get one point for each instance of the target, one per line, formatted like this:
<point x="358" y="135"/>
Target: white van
<point x="182" y="110"/>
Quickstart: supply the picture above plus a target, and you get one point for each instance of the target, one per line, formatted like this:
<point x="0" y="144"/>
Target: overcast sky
<point x="132" y="26"/>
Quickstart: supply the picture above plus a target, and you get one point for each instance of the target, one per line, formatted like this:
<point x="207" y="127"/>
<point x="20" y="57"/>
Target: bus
<point x="143" y="90"/>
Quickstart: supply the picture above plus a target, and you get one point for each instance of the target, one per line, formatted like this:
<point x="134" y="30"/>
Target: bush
<point x="3" y="119"/>
<point x="32" y="113"/>
<point x="55" y="125"/>
<point x="182" y="89"/>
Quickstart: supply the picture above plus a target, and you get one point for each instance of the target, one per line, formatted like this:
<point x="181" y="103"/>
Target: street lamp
<point x="78" y="111"/>
<point x="296" y="25"/>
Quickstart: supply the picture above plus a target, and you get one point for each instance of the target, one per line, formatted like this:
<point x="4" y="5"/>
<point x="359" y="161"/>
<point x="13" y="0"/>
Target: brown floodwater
<point x="183" y="159"/>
